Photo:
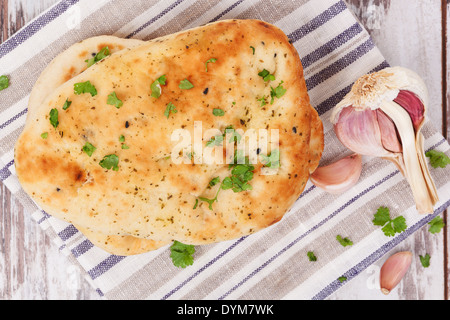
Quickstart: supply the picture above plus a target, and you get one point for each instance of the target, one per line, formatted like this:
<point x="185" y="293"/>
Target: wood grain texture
<point x="408" y="32"/>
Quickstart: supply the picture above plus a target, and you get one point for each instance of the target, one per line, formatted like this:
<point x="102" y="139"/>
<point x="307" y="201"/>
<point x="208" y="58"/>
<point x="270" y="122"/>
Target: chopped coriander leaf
<point x="156" y="86"/>
<point x="89" y="149"/>
<point x="110" y="162"/>
<point x="182" y="254"/>
<point x="235" y="136"/>
<point x="425" y="261"/>
<point x="277" y="92"/>
<point x="54" y="118"/>
<point x="273" y="160"/>
<point x="436" y="225"/>
<point x="438" y="159"/>
<point x="114" y="101"/>
<point x="390" y="226"/>
<point x="311" y="256"/>
<point x="170" y="109"/>
<point x="125" y="147"/>
<point x="342" y="279"/>
<point x="239" y="181"/>
<point x="253" y="49"/>
<point x="218" y="112"/>
<point x="265" y="74"/>
<point x="215" y="141"/>
<point x="85" y="87"/>
<point x="4" y="82"/>
<point x="344" y="241"/>
<point x="99" y="56"/>
<point x="196" y="204"/>
<point x="214" y="181"/>
<point x="185" y="85"/>
<point x="67" y="104"/>
<point x="44" y="135"/>
<point x="263" y="100"/>
<point x="122" y="138"/>
<point x="213" y="60"/>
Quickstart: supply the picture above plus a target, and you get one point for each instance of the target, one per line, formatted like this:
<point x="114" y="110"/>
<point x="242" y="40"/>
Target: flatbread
<point x="68" y="64"/>
<point x="150" y="197"/>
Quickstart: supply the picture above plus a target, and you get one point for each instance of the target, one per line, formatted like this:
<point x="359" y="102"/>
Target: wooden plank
<point x="31" y="266"/>
<point x="409" y="34"/>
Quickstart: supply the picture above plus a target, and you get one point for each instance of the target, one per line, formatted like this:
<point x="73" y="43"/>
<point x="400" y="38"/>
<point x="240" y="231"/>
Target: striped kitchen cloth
<point x="273" y="263"/>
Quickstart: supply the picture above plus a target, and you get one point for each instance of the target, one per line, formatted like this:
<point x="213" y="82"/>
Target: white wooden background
<point x="410" y="33"/>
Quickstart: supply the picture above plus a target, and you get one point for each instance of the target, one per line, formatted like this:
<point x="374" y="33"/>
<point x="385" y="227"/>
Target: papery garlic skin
<point x="393" y="270"/>
<point x="382" y="117"/>
<point x="340" y="176"/>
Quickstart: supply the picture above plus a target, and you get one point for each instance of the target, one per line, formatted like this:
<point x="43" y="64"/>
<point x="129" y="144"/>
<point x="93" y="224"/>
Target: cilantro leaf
<point x="110" y="162"/>
<point x="44" y="135"/>
<point x="114" y="101"/>
<point x="381" y="217"/>
<point x="390" y="227"/>
<point x="342" y="279"/>
<point x="99" y="56"/>
<point x="311" y="256"/>
<point x="344" y="241"/>
<point x="156" y="86"/>
<point x="67" y="104"/>
<point x="263" y="100"/>
<point x="85" y="87"/>
<point x="218" y="112"/>
<point x="89" y="149"/>
<point x="122" y="138"/>
<point x="4" y="82"/>
<point x="214" y="181"/>
<point x="213" y="60"/>
<point x="182" y="254"/>
<point x="277" y="92"/>
<point x="215" y="141"/>
<point x="436" y="225"/>
<point x="438" y="159"/>
<point x="425" y="261"/>
<point x="170" y="109"/>
<point x="54" y="118"/>
<point x="253" y="49"/>
<point x="265" y="74"/>
<point x="185" y="85"/>
<point x="273" y="160"/>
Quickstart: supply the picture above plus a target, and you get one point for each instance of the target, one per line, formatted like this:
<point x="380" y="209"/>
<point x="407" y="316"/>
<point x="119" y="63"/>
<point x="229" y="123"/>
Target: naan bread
<point x="64" y="67"/>
<point x="150" y="197"/>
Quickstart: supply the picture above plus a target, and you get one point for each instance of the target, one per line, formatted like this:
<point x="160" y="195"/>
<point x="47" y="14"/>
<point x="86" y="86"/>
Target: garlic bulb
<point x="339" y="176"/>
<point x="393" y="270"/>
<point x="382" y="116"/>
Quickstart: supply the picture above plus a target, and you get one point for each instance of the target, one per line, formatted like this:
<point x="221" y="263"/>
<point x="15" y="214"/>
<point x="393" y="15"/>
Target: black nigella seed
<point x="127" y="124"/>
<point x="294" y="129"/>
<point x="258" y="151"/>
<point x="206" y="91"/>
<point x="58" y="189"/>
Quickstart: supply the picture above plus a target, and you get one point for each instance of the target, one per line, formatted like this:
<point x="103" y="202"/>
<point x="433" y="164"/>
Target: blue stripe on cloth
<point x="317" y="22"/>
<point x="29" y="30"/>
<point x="226" y="11"/>
<point x="358" y="268"/>
<point x="67" y="233"/>
<point x="332" y="45"/>
<point x="5" y="173"/>
<point x="104" y="266"/>
<point x="340" y="64"/>
<point x="82" y="248"/>
<point x="17" y="116"/>
<point x="157" y="17"/>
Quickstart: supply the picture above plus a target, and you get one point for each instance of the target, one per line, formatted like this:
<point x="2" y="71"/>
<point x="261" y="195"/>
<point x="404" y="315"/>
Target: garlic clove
<point x="393" y="270"/>
<point x="359" y="131"/>
<point x="389" y="134"/>
<point x="339" y="176"/>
